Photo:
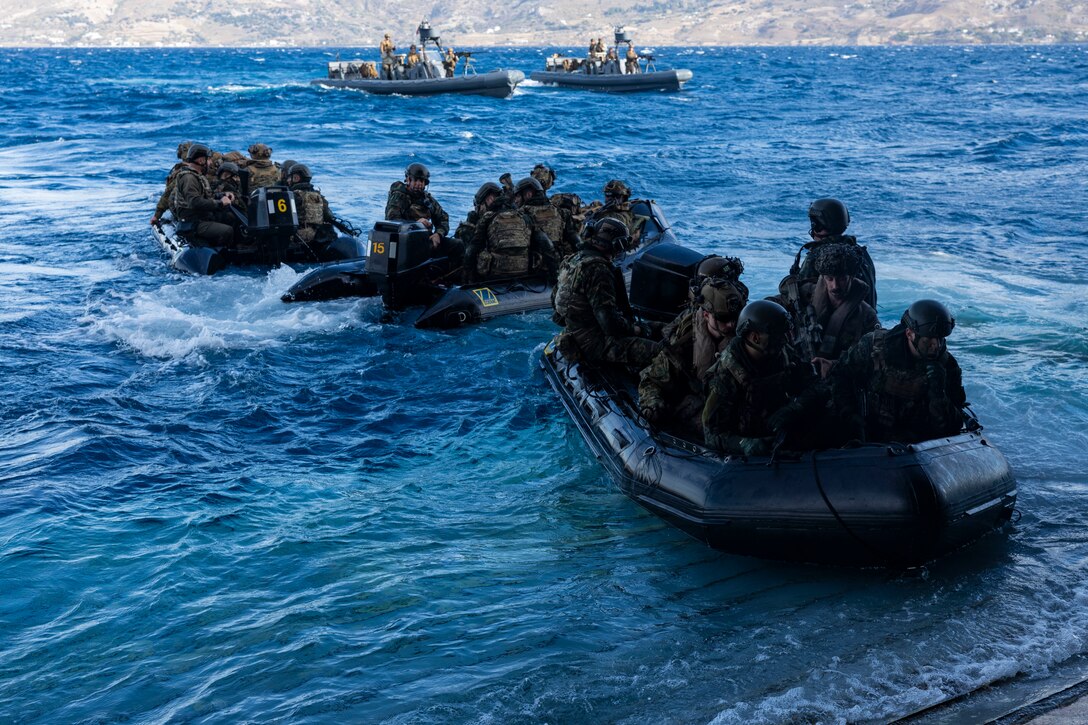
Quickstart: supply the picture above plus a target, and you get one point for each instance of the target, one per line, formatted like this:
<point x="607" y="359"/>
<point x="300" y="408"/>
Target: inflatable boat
<point x="399" y="268"/>
<point x="662" y="80"/>
<point x="881" y="504"/>
<point x="498" y="84"/>
<point x="266" y="237"/>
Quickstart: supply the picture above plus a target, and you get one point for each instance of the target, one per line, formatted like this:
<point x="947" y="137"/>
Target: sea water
<point x="218" y="507"/>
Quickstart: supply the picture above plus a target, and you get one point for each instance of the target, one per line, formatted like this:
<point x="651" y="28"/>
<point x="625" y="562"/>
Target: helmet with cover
<point x="487" y="189"/>
<point x="229" y="168"/>
<point x="544" y="174"/>
<point x="828" y="216"/>
<point x="607" y="233"/>
<point x="617" y="189"/>
<point x="300" y="170"/>
<point x="183" y="148"/>
<point x="196" y="151"/>
<point x="260" y="151"/>
<point x="529" y="184"/>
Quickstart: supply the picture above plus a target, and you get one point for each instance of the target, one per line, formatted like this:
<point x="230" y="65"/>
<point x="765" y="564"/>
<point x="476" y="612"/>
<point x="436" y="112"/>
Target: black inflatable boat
<point x="879" y="504"/>
<point x="399" y="267"/>
<point x="266" y="237"/>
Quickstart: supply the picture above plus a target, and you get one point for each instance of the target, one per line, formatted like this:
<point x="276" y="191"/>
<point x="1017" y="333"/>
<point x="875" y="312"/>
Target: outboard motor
<point x="273" y="221"/>
<point x="621" y="35"/>
<point x="397" y="261"/>
<point x="660" y="280"/>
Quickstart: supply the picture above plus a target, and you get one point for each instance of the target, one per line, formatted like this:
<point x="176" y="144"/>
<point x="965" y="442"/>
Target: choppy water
<point x="217" y="507"/>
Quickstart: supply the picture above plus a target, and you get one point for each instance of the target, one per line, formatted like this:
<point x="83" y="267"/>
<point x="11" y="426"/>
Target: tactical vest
<point x="762" y="396"/>
<point x="421" y="209"/>
<point x="263" y="173"/>
<point x="571" y="303"/>
<point x="507" y="254"/>
<point x="312" y="205"/>
<point x="178" y="208"/>
<point x="548" y="220"/>
<point x="892" y="391"/>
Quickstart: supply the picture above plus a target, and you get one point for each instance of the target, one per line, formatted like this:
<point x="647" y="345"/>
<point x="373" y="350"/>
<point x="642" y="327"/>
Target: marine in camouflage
<point x="403" y="204"/>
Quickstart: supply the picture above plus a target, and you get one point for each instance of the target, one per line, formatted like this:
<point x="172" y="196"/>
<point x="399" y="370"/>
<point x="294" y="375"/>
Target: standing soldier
<point x="413" y="56"/>
<point x="902" y="384"/>
<point x="672" y="387"/>
<point x="507" y="244"/>
<point x="387" y="48"/>
<point x="632" y="59"/>
<point x="197" y="213"/>
<point x="262" y="172"/>
<point x="553" y="222"/>
<point x="590" y="301"/>
<point x="754" y="390"/>
<point x="449" y="62"/>
<point x="410" y="201"/>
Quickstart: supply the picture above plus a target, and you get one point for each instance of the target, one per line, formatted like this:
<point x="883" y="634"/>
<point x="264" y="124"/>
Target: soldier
<point x="508" y="244"/>
<point x="413" y="56"/>
<point x="828" y="219"/>
<point x="315" y="221"/>
<point x="410" y="201"/>
<point x="544" y="174"/>
<point x="449" y="62"/>
<point x="902" y="384"/>
<point x="229" y="180"/>
<point x="285" y="172"/>
<point x="590" y="301"/>
<point x="830" y="314"/>
<point x="198" y="214"/>
<point x="617" y="205"/>
<point x="554" y="222"/>
<point x="672" y="387"/>
<point x="262" y="172"/>
<point x="758" y="388"/>
<point x="168" y="194"/>
<point x="632" y="59"/>
<point x="466" y="230"/>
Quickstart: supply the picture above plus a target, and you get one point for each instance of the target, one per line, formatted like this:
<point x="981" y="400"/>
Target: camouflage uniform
<point x="806" y="269"/>
<point x="262" y="172"/>
<point x="590" y="301"/>
<point x="199" y="215"/>
<point x="315" y="220"/>
<point x="168" y="194"/>
<point x="507" y="244"/>
<point x="466" y="230"/>
<point x="403" y="204"/>
<point x="621" y="210"/>
<point x="743" y="394"/>
<point x="880" y="385"/>
<point x="555" y="222"/>
<point x="228" y="185"/>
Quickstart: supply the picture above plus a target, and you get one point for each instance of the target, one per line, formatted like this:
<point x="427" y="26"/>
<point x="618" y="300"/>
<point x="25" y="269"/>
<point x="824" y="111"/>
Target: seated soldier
<point x="617" y="205"/>
<point x="758" y="388"/>
<point x="168" y="193"/>
<point x="507" y="244"/>
<point x="902" y="384"/>
<point x="413" y="56"/>
<point x="590" y="301"/>
<point x="201" y="218"/>
<point x="830" y="314"/>
<point x="553" y="222"/>
<point x="828" y="219"/>
<point x="672" y="388"/>
<point x="262" y="172"/>
<point x="410" y="201"/>
<point x="316" y="224"/>
<point x="229" y="180"/>
<point x="466" y="230"/>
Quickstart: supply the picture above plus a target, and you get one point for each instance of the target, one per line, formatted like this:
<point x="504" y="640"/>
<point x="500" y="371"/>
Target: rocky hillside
<point x="344" y="23"/>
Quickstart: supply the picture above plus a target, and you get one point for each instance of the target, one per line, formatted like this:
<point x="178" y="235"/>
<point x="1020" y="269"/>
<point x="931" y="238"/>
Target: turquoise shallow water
<point x="217" y="507"/>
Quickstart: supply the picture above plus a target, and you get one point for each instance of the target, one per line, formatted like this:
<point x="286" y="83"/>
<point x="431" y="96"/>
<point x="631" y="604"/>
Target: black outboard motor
<point x="621" y="35"/>
<point x="273" y="221"/>
<point x="660" y="279"/>
<point x="397" y="263"/>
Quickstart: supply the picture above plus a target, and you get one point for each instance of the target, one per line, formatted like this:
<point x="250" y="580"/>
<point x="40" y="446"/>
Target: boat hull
<point x="665" y="80"/>
<point x="875" y="505"/>
<point x="498" y="84"/>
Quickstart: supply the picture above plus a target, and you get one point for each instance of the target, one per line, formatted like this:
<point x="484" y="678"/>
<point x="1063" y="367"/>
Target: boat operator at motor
<point x="409" y="200"/>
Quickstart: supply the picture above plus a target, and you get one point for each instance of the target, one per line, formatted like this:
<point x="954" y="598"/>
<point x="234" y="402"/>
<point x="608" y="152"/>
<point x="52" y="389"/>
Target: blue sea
<point x="216" y="507"/>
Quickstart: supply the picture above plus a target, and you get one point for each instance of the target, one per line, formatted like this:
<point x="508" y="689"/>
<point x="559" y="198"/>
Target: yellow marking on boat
<point x="487" y="297"/>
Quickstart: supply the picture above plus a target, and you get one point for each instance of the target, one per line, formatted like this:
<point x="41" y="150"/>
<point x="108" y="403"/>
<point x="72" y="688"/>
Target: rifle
<point x="346" y="227"/>
<point x="808" y="336"/>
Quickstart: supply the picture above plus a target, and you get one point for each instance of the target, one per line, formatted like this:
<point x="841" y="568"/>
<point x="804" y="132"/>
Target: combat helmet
<point x="607" y="233"/>
<point x="836" y="260"/>
<point x="486" y="189"/>
<point x="260" y="151"/>
<point x="417" y="170"/>
<point x="544" y="174"/>
<point x="303" y="172"/>
<point x="228" y="167"/>
<point x="183" y="149"/>
<point x="196" y="150"/>
<point x="529" y="183"/>
<point x="765" y="316"/>
<point x="724" y="299"/>
<point x="828" y="215"/>
<point x="617" y="188"/>
<point x="929" y="318"/>
<point x="285" y="168"/>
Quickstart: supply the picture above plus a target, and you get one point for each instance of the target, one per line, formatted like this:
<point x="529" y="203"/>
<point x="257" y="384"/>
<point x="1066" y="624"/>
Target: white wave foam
<point x="229" y="311"/>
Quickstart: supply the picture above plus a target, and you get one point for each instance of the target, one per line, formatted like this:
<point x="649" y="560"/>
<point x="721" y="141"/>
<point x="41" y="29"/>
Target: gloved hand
<point x="755" y="446"/>
<point x="936" y="378"/>
<point x="650" y="415"/>
<point x="784" y="418"/>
